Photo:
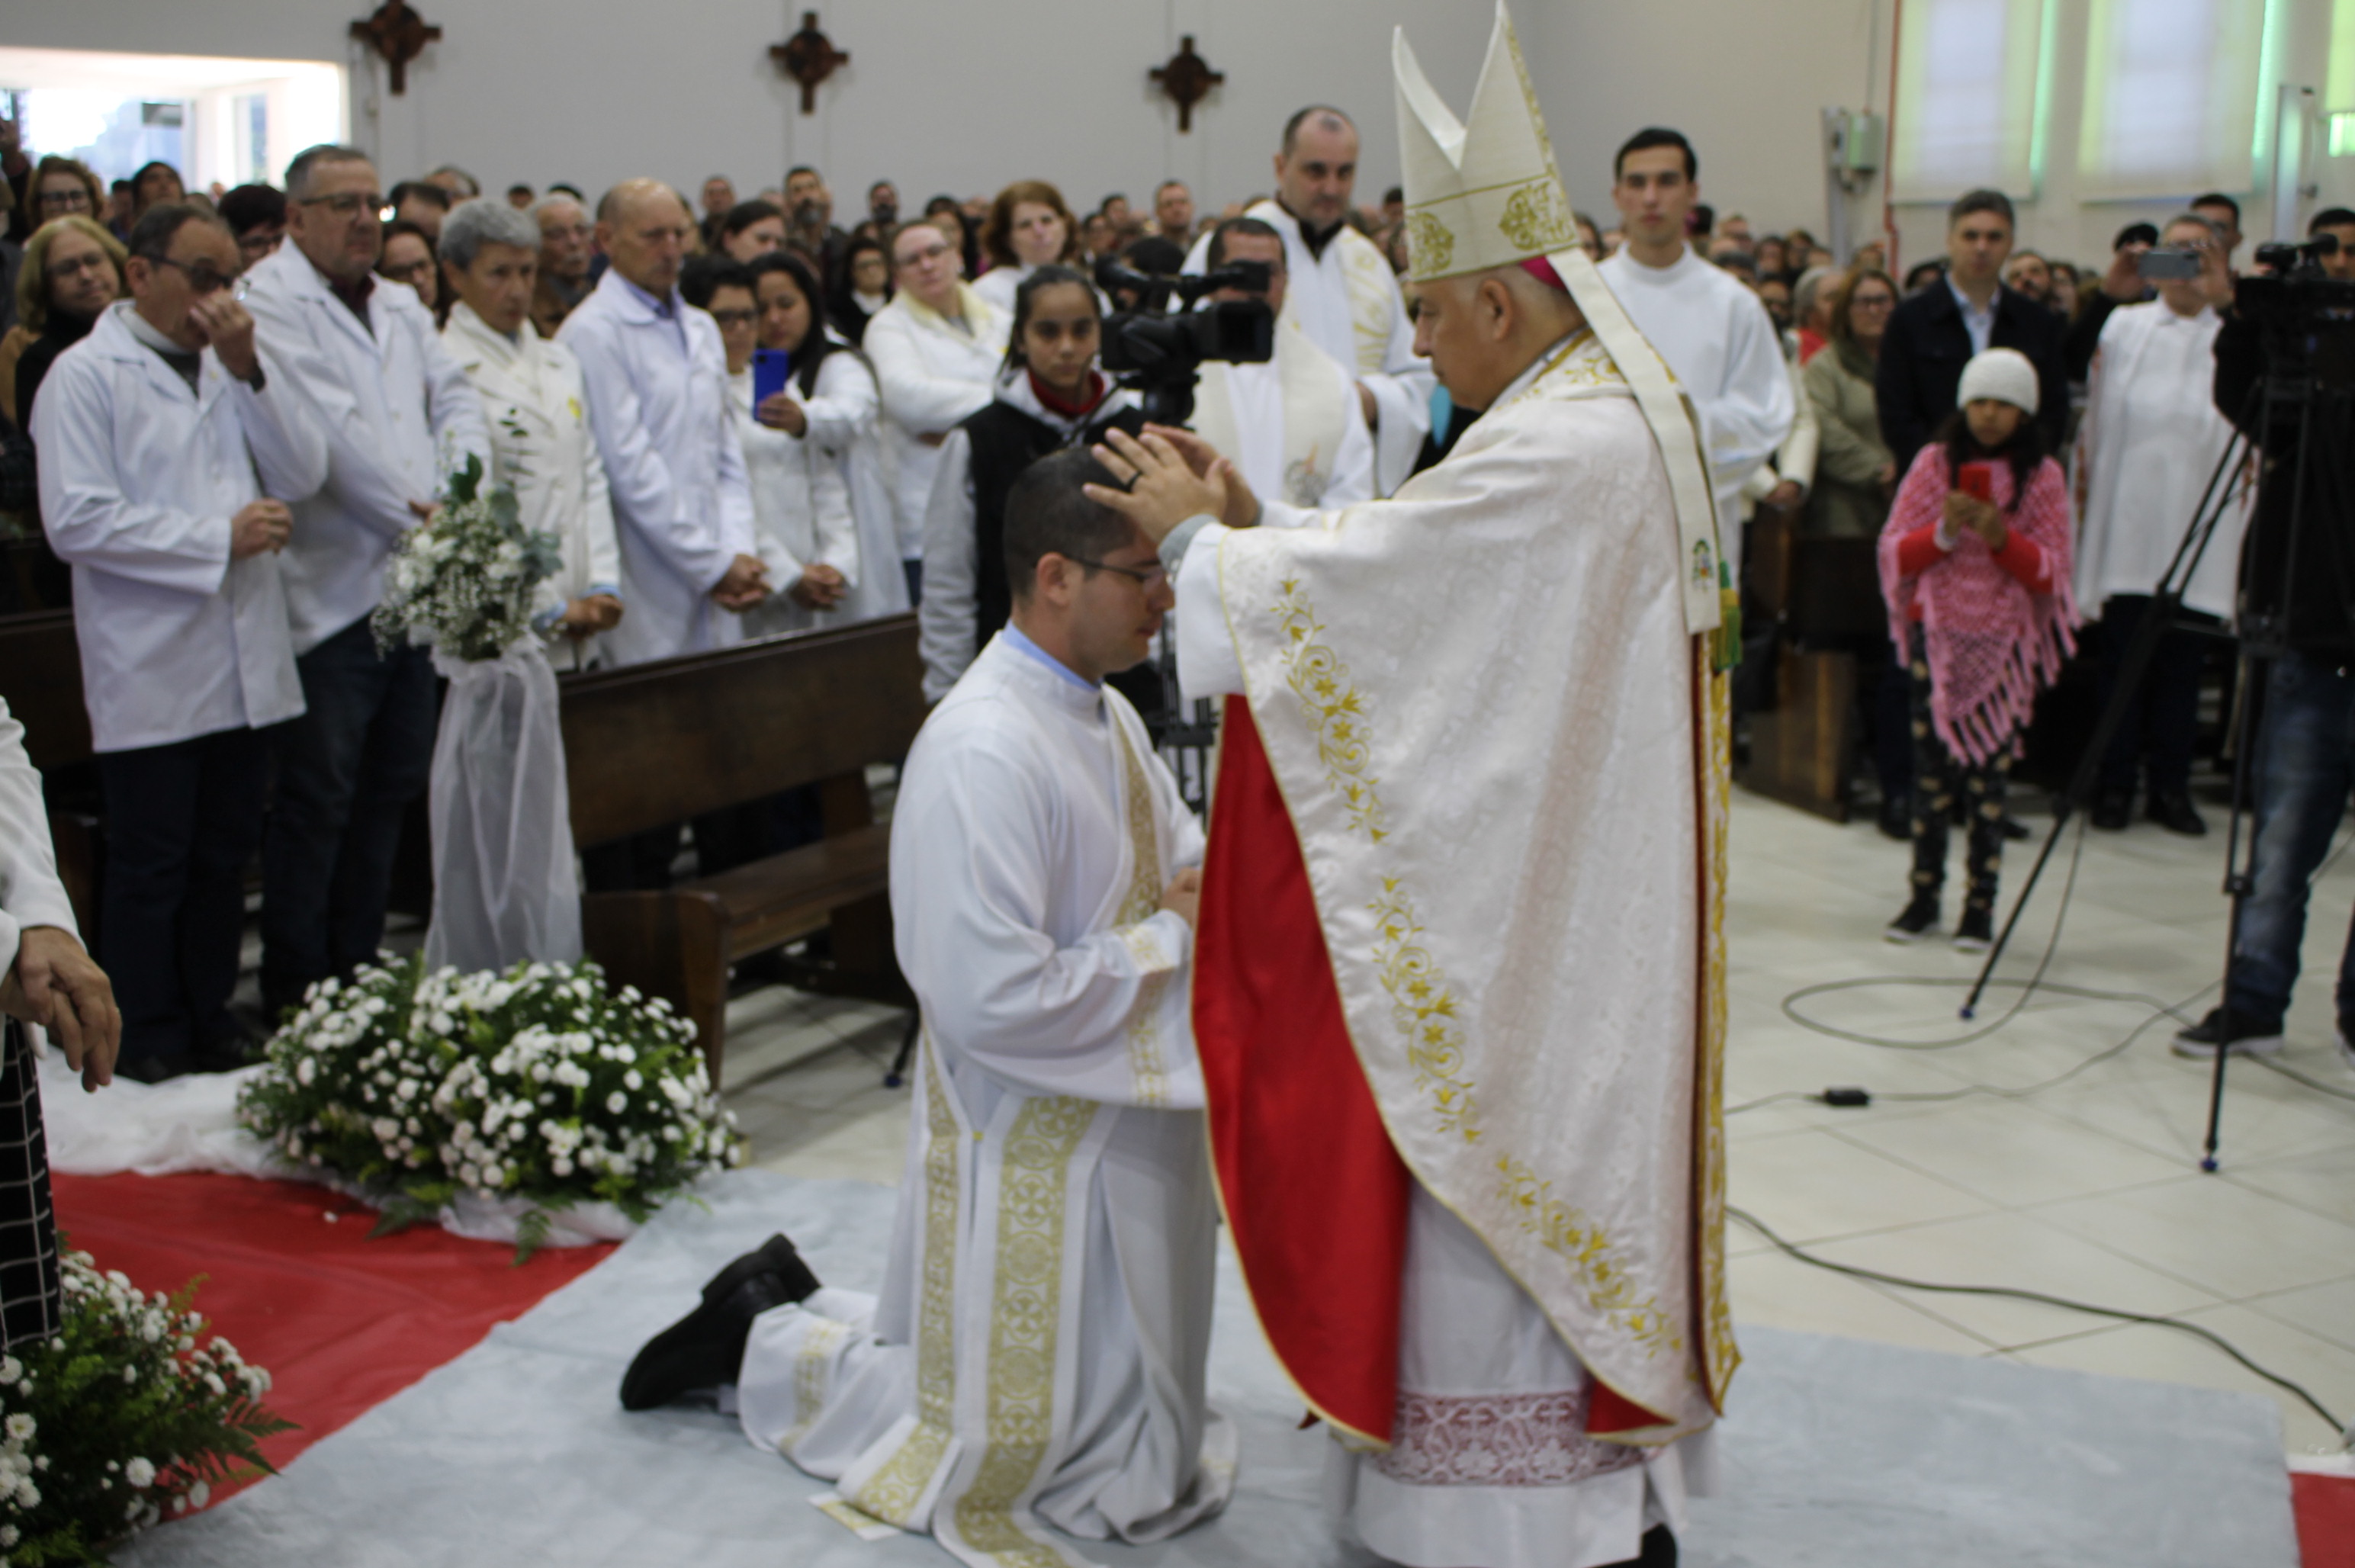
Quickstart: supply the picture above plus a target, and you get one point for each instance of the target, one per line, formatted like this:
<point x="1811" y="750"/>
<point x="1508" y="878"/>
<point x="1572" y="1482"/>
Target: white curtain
<point x="505" y="890"/>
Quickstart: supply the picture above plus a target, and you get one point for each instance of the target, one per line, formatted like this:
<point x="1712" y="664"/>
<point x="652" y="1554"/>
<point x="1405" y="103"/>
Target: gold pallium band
<point x="1025" y="1320"/>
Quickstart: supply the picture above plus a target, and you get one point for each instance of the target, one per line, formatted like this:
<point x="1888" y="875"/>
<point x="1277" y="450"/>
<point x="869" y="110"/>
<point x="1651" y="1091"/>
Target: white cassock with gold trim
<point x="1057" y="1195"/>
<point x="1492" y="710"/>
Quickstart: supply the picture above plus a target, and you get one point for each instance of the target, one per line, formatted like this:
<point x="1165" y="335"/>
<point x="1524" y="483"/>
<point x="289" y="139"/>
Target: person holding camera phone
<point x="1975" y="565"/>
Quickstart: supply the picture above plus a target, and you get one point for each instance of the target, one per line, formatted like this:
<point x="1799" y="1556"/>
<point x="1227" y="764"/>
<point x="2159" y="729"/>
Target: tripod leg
<point x="898" y="1073"/>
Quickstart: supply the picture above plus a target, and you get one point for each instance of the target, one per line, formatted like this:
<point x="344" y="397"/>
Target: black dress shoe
<point x="156" y="1067"/>
<point x="2177" y="815"/>
<point x="2014" y="831"/>
<point x="2112" y="809"/>
<point x="704" y="1349"/>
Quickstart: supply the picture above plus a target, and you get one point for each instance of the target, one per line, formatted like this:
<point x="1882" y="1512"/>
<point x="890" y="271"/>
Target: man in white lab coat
<point x="398" y="416"/>
<point x="170" y="443"/>
<point x="656" y="377"/>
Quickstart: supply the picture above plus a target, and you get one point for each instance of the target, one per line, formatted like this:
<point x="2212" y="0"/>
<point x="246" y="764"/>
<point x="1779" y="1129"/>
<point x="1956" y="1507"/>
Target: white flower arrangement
<point x="536" y="1084"/>
<point x="468" y="580"/>
<point x="130" y="1412"/>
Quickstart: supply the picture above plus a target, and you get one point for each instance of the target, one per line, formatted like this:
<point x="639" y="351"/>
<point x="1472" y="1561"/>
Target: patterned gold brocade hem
<point x="1714" y="763"/>
<point x="813" y="1376"/>
<point x="988" y="1517"/>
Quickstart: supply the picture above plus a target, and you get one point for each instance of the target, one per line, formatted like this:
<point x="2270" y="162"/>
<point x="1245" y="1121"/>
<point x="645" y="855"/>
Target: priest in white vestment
<point x="1341" y="291"/>
<point x="1294" y="424"/>
<point x="1037" y="1357"/>
<point x="1459" y="986"/>
<point x="2150" y="438"/>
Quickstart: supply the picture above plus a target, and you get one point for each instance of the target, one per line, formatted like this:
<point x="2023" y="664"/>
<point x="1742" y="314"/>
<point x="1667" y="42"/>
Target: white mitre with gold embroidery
<point x="1483" y="192"/>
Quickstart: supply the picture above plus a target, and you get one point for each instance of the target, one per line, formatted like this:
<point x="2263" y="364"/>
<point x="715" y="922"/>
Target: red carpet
<point x="2326" y="1520"/>
<point x="341" y="1322"/>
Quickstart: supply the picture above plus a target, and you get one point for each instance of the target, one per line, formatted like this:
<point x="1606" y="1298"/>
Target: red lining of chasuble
<point x="1610" y="1413"/>
<point x="1315" y="1197"/>
<point x="342" y="1321"/>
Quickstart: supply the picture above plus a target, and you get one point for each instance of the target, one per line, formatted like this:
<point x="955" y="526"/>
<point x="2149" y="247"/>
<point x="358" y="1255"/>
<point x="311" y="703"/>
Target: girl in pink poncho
<point x="1975" y="565"/>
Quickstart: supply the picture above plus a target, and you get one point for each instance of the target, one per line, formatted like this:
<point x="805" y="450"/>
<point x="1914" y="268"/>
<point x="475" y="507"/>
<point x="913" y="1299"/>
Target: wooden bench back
<point x="40" y="677"/>
<point x="657" y="742"/>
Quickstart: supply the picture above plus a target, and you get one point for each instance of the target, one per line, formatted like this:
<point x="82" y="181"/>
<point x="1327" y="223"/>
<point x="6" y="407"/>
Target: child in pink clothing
<point x="1975" y="565"/>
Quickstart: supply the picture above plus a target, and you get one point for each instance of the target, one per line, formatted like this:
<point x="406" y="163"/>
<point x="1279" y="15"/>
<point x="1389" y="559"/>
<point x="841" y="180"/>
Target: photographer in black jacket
<point x="2302" y="610"/>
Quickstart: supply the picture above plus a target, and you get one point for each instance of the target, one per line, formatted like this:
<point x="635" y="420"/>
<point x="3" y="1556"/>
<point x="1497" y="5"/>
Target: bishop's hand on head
<point x="1158" y="487"/>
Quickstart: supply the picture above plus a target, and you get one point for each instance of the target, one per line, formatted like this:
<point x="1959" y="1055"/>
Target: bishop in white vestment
<point x="1459" y="981"/>
<point x="1037" y="1356"/>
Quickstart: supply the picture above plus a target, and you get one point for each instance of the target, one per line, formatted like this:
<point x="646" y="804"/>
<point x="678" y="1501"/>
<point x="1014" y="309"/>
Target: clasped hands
<point x="59" y="987"/>
<point x="745" y="584"/>
<point x="1169" y="477"/>
<point x="1981" y="517"/>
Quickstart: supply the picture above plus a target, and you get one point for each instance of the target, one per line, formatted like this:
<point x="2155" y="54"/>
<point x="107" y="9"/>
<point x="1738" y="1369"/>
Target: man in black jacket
<point x="1933" y="334"/>
<point x="2305" y="616"/>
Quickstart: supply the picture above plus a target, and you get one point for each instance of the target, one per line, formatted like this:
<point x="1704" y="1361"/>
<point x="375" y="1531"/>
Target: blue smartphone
<point x="771" y="368"/>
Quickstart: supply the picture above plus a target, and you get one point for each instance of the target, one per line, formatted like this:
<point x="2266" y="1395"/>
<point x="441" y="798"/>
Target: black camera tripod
<point x="2308" y="386"/>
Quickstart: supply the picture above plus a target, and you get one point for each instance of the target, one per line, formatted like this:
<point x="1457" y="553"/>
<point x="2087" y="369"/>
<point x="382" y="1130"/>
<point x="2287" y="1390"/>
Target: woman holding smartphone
<point x="1975" y="565"/>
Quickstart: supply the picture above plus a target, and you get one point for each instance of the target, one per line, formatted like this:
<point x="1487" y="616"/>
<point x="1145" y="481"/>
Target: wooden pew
<point x="1820" y="593"/>
<point x="654" y="744"/>
<point x="40" y="677"/>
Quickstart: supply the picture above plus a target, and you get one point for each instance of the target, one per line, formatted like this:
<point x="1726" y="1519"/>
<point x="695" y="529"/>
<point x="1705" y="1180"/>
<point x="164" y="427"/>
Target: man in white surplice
<point x="1037" y="1356"/>
<point x="1342" y="292"/>
<point x="1506" y="848"/>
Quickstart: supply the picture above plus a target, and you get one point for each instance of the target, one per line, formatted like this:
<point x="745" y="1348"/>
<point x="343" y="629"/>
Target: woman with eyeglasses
<point x="1049" y="396"/>
<point x="72" y="271"/>
<point x="408" y="257"/>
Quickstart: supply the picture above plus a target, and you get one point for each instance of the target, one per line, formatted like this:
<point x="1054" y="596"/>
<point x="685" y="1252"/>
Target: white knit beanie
<point x="2002" y="374"/>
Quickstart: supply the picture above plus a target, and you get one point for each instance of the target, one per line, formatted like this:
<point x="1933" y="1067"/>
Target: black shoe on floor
<point x="2232" y="1031"/>
<point x="2177" y="815"/>
<point x="2112" y="809"/>
<point x="156" y="1067"/>
<point x="2016" y="831"/>
<point x="1897" y="819"/>
<point x="704" y="1349"/>
<point x="1974" y="932"/>
<point x="1915" y="921"/>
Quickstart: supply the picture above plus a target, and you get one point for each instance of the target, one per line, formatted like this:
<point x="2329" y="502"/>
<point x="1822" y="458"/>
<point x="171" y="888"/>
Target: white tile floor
<point x="2088" y="1189"/>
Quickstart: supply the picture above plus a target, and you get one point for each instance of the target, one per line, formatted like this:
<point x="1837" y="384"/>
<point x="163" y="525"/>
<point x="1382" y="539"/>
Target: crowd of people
<point x="741" y="418"/>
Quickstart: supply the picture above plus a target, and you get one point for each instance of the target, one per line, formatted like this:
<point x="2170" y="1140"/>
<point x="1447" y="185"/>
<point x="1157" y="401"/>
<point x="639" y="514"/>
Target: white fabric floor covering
<point x="189" y="1123"/>
<point x="1839" y="1454"/>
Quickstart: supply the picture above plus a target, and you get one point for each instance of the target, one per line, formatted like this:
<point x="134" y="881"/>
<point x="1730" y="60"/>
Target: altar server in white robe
<point x="1459" y="971"/>
<point x="658" y="385"/>
<point x="935" y="349"/>
<point x="538" y="410"/>
<point x="1037" y="1356"/>
<point x="1294" y="425"/>
<point x="1341" y="291"/>
<point x="2149" y="439"/>
<point x="1711" y="330"/>
<point x="170" y="443"/>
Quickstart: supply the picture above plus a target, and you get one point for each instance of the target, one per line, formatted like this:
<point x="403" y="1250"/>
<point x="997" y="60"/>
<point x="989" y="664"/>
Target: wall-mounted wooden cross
<point x="399" y="34"/>
<point x="808" y="56"/>
<point x="1186" y="79"/>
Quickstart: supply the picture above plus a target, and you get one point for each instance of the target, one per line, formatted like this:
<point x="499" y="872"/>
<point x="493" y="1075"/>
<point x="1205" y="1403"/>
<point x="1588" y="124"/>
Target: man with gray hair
<point x="567" y="245"/>
<point x="541" y="445"/>
<point x="399" y="415"/>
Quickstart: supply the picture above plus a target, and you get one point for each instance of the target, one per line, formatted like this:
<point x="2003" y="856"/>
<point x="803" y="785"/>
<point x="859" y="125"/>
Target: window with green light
<point x="2172" y="91"/>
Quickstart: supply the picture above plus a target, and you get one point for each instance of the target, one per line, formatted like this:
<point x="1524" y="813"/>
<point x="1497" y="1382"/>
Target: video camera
<point x="1160" y="353"/>
<point x="2307" y="319"/>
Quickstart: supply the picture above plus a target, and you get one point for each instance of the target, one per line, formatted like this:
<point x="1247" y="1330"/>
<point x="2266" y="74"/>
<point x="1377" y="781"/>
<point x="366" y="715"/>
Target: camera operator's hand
<point x="1158" y="489"/>
<point x="1242" y="506"/>
<point x="2123" y="282"/>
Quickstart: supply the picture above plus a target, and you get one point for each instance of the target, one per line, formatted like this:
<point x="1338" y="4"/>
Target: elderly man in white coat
<point x="48" y="980"/>
<point x="658" y="383"/>
<point x="937" y="348"/>
<point x="1341" y="290"/>
<point x="541" y="445"/>
<point x="169" y="442"/>
<point x="398" y="416"/>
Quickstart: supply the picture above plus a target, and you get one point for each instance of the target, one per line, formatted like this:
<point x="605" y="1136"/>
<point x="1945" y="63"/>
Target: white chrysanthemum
<point x="139" y="1473"/>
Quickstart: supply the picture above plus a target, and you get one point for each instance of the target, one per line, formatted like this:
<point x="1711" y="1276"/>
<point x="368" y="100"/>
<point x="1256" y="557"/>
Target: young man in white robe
<point x="2151" y="436"/>
<point x="1341" y="291"/>
<point x="1458" y="992"/>
<point x="1294" y="425"/>
<point x="1711" y="330"/>
<point x="1037" y="1356"/>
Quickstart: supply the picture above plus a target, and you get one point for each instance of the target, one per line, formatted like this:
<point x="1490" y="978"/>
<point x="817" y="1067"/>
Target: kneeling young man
<point x="1038" y="1352"/>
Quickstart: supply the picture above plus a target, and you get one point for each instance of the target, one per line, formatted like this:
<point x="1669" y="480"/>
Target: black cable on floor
<point x="2346" y="1434"/>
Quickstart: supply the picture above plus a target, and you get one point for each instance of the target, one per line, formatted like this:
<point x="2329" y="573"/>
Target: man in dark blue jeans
<point x="2305" y="757"/>
<point x="347" y="770"/>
